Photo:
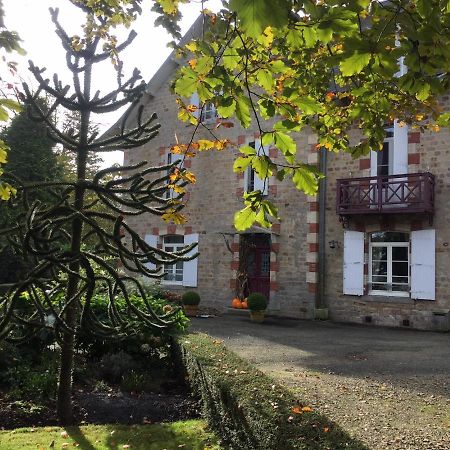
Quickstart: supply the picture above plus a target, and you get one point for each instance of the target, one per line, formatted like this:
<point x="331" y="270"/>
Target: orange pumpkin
<point x="236" y="303"/>
<point x="244" y="304"/>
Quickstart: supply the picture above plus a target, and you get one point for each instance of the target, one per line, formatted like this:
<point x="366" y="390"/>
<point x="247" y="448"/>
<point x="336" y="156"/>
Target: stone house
<point x="372" y="247"/>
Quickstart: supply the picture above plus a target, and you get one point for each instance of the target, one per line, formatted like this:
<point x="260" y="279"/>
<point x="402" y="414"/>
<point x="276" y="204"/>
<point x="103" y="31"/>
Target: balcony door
<point x="390" y="161"/>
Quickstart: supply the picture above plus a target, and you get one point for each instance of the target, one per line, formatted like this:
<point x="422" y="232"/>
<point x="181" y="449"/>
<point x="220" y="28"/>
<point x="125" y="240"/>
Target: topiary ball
<point x="191" y="298"/>
<point x="257" y="302"/>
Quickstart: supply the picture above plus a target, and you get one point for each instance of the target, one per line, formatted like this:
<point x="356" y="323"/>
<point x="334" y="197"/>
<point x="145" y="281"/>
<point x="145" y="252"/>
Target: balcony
<point x="386" y="194"/>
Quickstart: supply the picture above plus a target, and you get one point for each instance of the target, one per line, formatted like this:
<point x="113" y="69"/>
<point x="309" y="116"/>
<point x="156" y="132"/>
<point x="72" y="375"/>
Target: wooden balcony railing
<point x="386" y="194"/>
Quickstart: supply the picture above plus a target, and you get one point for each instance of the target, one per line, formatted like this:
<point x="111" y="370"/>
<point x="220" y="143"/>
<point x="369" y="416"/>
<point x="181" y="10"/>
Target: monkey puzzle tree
<point x="65" y="274"/>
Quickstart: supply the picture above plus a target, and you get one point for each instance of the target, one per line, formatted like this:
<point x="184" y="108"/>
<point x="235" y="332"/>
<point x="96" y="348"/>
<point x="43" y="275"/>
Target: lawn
<point x="191" y="434"/>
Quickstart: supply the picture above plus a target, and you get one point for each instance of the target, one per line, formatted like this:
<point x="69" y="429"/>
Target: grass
<point x="187" y="435"/>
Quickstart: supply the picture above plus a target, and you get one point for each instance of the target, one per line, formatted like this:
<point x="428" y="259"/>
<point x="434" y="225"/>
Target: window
<point x="173" y="273"/>
<point x="400" y="264"/>
<point x="251" y="180"/>
<point x="389" y="263"/>
<point x="385" y="157"/>
<point x="208" y="110"/>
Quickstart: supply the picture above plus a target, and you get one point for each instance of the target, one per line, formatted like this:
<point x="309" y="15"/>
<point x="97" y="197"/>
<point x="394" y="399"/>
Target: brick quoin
<point x="414" y="138"/>
<point x="276" y="228"/>
<point x="171" y="229"/>
<point x="313" y="206"/>
<point x="274" y="266"/>
<point x="313" y="248"/>
<point x="272" y="190"/>
<point x="162" y="151"/>
<point x="187" y="163"/>
<point x="313" y="148"/>
<point x="273" y="152"/>
<point x="234" y="265"/>
<point x="275" y="247"/>
<point x="155" y="231"/>
<point x="313" y="228"/>
<point x="241" y="139"/>
<point x="233" y="283"/>
<point x="312" y="288"/>
<point x="414" y="158"/>
<point x="234" y="247"/>
<point x="239" y="192"/>
<point x="364" y="164"/>
<point x="256" y="135"/>
<point x="312" y="267"/>
<point x="273" y="286"/>
<point x="187" y="230"/>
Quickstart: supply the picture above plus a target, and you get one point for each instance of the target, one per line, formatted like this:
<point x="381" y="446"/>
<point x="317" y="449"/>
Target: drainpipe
<point x="321" y="306"/>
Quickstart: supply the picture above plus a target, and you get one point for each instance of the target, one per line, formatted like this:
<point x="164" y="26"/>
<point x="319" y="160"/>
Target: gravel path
<point x="389" y="388"/>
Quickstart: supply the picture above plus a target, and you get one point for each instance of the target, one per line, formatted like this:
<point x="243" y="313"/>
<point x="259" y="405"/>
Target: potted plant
<point x="190" y="301"/>
<point x="257" y="304"/>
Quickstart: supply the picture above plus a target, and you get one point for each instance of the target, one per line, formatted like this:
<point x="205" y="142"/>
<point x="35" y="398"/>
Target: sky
<point x="31" y="19"/>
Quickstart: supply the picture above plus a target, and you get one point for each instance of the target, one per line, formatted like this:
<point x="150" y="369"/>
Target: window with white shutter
<point x="353" y="273"/>
<point x="423" y="266"/>
<point x="190" y="267"/>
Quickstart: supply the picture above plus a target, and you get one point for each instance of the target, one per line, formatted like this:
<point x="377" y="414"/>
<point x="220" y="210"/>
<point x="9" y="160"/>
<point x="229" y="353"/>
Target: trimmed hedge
<point x="247" y="409"/>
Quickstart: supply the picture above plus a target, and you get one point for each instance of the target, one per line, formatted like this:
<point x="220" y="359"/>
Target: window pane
<point x="174" y="239"/>
<point x="379" y="253"/>
<point x="389" y="236"/>
<point x="400" y="269"/>
<point x="400" y="287"/>
<point x="379" y="268"/>
<point x="400" y="280"/>
<point x="400" y="253"/>
<point x="380" y="287"/>
<point x="379" y="279"/>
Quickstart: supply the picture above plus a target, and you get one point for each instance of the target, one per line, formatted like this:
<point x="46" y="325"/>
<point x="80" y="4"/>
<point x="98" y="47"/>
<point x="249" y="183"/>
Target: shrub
<point x="248" y="409"/>
<point x="257" y="302"/>
<point x="191" y="298"/>
<point x="113" y="366"/>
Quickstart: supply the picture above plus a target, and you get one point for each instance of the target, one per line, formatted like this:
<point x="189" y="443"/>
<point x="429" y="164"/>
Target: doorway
<point x="254" y="261"/>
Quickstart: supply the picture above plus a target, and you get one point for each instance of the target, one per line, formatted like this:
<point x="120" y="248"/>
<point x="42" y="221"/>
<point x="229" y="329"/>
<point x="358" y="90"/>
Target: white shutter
<point x="190" y="267"/>
<point x="400" y="149"/>
<point x="373" y="163"/>
<point x="195" y="100"/>
<point x="261" y="184"/>
<point x="423" y="271"/>
<point x="353" y="281"/>
<point x="151" y="240"/>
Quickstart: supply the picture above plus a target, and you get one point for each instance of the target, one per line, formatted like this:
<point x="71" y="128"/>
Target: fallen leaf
<point x="307" y="409"/>
<point x="297" y="410"/>
<point x="326" y="430"/>
<point x="64" y="434"/>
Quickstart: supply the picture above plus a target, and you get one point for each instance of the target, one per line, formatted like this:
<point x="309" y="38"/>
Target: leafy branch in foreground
<point x="66" y="273"/>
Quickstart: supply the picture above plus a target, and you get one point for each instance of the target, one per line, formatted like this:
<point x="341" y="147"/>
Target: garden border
<point x="247" y="408"/>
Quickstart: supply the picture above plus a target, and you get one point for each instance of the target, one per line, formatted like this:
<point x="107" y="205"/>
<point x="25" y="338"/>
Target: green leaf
<point x="355" y="63"/>
<point x="226" y="107"/>
<point x="305" y="180"/>
<point x="231" y="58"/>
<point x="285" y="143"/>
<point x="243" y="110"/>
<point x="267" y="139"/>
<point x="256" y="15"/>
<point x="185" y="86"/>
<point x="244" y="218"/>
<point x="424" y="92"/>
<point x="265" y="79"/>
<point x="261" y="165"/>
<point x="241" y="163"/>
<point x="247" y="150"/>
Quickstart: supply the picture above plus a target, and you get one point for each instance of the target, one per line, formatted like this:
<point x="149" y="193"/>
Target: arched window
<point x="389" y="263"/>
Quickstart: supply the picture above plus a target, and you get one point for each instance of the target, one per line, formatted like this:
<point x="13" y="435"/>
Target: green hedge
<point x="247" y="408"/>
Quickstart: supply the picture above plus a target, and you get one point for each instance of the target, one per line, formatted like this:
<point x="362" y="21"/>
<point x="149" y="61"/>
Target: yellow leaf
<point x="205" y="144"/>
<point x="192" y="63"/>
<point x="192" y="46"/>
<point x="189" y="176"/>
<point x="307" y="409"/>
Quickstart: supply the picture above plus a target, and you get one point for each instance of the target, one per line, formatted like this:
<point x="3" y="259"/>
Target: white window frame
<point x="389" y="246"/>
<point x="172" y="267"/>
<point x="209" y="113"/>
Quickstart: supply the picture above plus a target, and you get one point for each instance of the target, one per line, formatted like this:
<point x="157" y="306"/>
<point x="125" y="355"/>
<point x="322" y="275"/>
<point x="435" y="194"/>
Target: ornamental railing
<point x="386" y="194"/>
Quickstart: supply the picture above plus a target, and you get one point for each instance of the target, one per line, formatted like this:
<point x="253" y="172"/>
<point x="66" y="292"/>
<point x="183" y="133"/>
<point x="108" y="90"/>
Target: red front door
<point x="258" y="267"/>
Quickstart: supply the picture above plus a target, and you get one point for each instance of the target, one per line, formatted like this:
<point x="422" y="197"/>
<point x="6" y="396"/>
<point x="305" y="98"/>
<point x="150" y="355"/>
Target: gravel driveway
<point x="390" y="388"/>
